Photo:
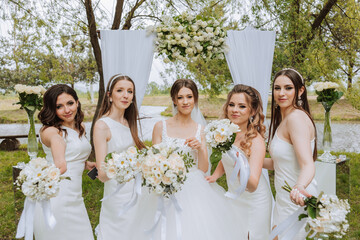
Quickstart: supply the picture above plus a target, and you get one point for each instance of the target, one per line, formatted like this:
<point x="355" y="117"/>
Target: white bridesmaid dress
<point x="206" y="213"/>
<point x="111" y="226"/>
<point x="72" y="221"/>
<point x="254" y="209"/>
<point x="287" y="169"/>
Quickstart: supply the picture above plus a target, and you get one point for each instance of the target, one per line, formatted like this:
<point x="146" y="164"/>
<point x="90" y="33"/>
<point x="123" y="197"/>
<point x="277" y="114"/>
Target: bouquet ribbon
<point x="25" y="227"/>
<point x="291" y="225"/>
<point x="135" y="194"/>
<point x="160" y="216"/>
<point x="241" y="168"/>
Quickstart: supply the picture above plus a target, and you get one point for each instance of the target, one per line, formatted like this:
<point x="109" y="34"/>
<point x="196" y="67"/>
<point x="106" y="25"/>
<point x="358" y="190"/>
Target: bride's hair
<point x="131" y="113"/>
<point x="47" y="114"/>
<point x="298" y="82"/>
<point x="180" y="83"/>
<point x="256" y="121"/>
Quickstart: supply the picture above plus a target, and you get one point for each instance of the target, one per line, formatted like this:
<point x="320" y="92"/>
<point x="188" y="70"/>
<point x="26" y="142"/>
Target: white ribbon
<point x="25" y="226"/>
<point x="241" y="168"/>
<point x="160" y="216"/>
<point x="291" y="225"/>
<point x="119" y="186"/>
<point x="135" y="195"/>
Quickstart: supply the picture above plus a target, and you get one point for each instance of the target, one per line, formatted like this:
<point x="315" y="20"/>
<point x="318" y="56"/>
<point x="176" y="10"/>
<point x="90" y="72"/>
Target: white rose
<point x="203" y="24"/>
<point x="234" y="128"/>
<point x="209" y="29"/>
<point x="111" y="171"/>
<point x="209" y="48"/>
<point x="159" y="189"/>
<point x="43" y="90"/>
<point x="54" y="173"/>
<point x="201" y="38"/>
<point x="19" y="88"/>
<point x="194" y="28"/>
<point x="166" y="60"/>
<point x="189" y="51"/>
<point x="183" y="43"/>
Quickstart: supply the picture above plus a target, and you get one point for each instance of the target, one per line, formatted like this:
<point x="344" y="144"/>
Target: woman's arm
<point x="219" y="171"/>
<point x="301" y="130"/>
<point x="101" y="136"/>
<point x="156" y="135"/>
<point x="268" y="164"/>
<point x="53" y="139"/>
<point x="256" y="162"/>
<point x="203" y="162"/>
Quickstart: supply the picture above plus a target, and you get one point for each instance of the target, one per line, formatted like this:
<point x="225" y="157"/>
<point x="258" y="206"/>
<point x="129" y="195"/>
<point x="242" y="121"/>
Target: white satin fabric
<point x="111" y="225"/>
<point x="253" y="210"/>
<point x="287" y="169"/>
<point x="206" y="213"/>
<point x="72" y="221"/>
<point x="128" y="52"/>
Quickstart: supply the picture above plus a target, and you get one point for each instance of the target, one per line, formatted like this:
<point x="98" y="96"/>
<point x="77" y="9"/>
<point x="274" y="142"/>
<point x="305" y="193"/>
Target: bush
<point x="353" y="96"/>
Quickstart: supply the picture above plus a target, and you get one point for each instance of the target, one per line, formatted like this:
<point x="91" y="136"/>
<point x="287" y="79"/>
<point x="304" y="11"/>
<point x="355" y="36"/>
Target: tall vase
<point x="32" y="146"/>
<point x="327" y="138"/>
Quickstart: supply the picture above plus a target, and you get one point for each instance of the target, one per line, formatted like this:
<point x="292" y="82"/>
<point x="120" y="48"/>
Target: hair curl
<point x="47" y="114"/>
<point x="256" y="125"/>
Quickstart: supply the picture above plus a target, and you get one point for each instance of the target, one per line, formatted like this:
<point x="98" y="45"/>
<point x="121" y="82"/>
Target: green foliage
<point x="216" y="154"/>
<point x="353" y="95"/>
<point x="328" y="96"/>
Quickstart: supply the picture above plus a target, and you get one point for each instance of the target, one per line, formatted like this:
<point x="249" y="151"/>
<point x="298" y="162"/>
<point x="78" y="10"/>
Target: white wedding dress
<point x="286" y="169"/>
<point x="72" y="221"/>
<point x="253" y="209"/>
<point x="111" y="226"/>
<point x="206" y="213"/>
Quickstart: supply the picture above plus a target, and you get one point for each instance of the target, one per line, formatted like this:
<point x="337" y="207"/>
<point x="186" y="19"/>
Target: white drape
<point x="250" y="59"/>
<point x="129" y="53"/>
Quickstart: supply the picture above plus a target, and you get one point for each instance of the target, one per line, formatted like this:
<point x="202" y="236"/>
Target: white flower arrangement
<point x="320" y="86"/>
<point x="39" y="180"/>
<point x="220" y="135"/>
<point x="122" y="166"/>
<point x="164" y="168"/>
<point x="327" y="93"/>
<point x="30" y="97"/>
<point x="331" y="217"/>
<point x="186" y="37"/>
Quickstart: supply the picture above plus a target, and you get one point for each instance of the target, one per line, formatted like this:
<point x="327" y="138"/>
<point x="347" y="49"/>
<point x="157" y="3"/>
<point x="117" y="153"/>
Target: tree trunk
<point x="97" y="53"/>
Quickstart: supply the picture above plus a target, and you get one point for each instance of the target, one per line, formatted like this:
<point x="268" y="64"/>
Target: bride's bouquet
<point x="324" y="214"/>
<point x="220" y="135"/>
<point x="39" y="181"/>
<point x="164" y="168"/>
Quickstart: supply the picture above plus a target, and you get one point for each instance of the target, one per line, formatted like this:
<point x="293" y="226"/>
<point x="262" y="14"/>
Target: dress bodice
<point x="286" y="165"/>
<point x="121" y="138"/>
<point x="77" y="151"/>
<point x="181" y="142"/>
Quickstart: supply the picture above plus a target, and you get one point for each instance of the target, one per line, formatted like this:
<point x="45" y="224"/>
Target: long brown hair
<point x="276" y="119"/>
<point x="47" y="114"/>
<point x="256" y="122"/>
<point x="131" y="113"/>
<point x="180" y="83"/>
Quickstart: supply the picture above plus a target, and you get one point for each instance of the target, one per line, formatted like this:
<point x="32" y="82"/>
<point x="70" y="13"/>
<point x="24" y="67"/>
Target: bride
<point x="206" y="213"/>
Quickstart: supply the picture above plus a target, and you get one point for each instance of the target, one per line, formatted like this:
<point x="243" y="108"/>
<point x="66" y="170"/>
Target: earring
<point x="300" y="102"/>
<point x="251" y="119"/>
<point x="276" y="105"/>
<point x="110" y="100"/>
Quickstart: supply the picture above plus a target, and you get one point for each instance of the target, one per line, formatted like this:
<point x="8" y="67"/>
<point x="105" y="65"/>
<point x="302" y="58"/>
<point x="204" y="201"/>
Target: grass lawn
<point x="211" y="108"/>
<point x="348" y="186"/>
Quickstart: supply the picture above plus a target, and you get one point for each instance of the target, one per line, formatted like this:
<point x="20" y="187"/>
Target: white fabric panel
<point x="325" y="176"/>
<point x="250" y="59"/>
<point x="129" y="53"/>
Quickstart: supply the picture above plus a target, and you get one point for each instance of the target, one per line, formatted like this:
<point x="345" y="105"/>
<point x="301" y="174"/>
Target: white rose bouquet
<point x="190" y="37"/>
<point x="30" y="97"/>
<point x="327" y="93"/>
<point x="325" y="214"/>
<point x="164" y="168"/>
<point x="39" y="180"/>
<point x="220" y="135"/>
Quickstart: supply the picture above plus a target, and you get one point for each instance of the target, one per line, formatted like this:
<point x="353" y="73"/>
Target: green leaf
<point x="303" y="215"/>
<point x="311" y="212"/>
<point x="215" y="156"/>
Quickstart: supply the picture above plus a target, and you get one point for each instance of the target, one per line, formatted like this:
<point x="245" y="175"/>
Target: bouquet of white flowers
<point x="39" y="181"/>
<point x="164" y="168"/>
<point x="327" y="93"/>
<point x="30" y="97"/>
<point x="220" y="135"/>
<point x="122" y="166"/>
<point x="323" y="214"/>
<point x="188" y="37"/>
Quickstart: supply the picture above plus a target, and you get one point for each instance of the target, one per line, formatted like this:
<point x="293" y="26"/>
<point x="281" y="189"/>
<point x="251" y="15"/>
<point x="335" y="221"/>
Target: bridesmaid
<point x="292" y="138"/>
<point x="64" y="143"/>
<point x="244" y="108"/>
<point x="115" y="131"/>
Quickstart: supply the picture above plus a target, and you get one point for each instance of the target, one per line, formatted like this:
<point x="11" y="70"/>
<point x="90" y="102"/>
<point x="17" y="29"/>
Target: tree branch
<point x="130" y="16"/>
<point x="118" y="14"/>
